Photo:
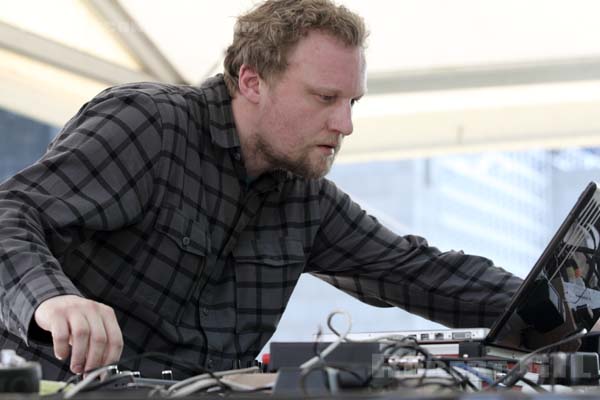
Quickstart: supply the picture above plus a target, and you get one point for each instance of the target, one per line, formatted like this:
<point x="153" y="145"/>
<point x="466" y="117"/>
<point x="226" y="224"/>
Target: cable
<point x="91" y="376"/>
<point x="409" y="343"/>
<point x="87" y="383"/>
<point x="395" y="347"/>
<point x="194" y="368"/>
<point x="397" y="343"/>
<point x="534" y="385"/>
<point x="516" y="373"/>
<point x="341" y="337"/>
<point x="204" y="381"/>
<point x="317" y="363"/>
<point x="475" y="372"/>
<point x="307" y="372"/>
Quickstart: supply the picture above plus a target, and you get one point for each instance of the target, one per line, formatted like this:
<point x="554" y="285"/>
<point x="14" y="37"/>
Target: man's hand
<point x="89" y="327"/>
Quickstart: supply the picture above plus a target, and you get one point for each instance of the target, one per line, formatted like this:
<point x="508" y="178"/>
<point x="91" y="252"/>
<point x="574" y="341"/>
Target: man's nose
<point x="341" y="119"/>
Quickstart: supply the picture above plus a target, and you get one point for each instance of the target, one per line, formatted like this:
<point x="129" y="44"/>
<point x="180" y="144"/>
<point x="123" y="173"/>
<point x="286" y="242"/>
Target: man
<point x="178" y="219"/>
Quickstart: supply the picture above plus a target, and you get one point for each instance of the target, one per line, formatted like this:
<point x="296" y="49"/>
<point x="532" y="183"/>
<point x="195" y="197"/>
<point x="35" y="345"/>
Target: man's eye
<point x="326" y="99"/>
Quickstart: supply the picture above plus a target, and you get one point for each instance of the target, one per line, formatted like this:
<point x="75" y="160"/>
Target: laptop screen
<point x="561" y="294"/>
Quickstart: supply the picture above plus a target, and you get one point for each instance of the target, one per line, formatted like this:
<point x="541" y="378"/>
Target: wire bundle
<point x="459" y="375"/>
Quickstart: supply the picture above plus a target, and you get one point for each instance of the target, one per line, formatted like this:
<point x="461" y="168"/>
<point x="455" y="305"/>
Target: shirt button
<point x="185" y="241"/>
<point x="204" y="311"/>
<point x="209" y="363"/>
<point x="237" y="156"/>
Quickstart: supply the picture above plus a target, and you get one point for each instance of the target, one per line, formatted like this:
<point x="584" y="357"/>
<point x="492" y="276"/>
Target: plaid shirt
<point x="142" y="203"/>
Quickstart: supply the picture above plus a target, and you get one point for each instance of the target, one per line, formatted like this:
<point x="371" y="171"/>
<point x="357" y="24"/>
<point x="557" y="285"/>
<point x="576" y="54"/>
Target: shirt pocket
<point x="176" y="255"/>
<point x="266" y="272"/>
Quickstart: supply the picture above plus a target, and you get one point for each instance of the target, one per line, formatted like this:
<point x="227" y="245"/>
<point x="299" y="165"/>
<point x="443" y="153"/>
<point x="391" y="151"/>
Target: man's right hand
<point x="89" y="327"/>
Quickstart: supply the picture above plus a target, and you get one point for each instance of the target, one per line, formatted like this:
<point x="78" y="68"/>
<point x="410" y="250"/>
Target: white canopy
<point x="443" y="76"/>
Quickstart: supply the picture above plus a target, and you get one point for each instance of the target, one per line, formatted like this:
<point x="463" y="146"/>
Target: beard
<point x="301" y="166"/>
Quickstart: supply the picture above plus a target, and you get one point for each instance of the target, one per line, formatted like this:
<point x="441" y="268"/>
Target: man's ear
<point x="249" y="83"/>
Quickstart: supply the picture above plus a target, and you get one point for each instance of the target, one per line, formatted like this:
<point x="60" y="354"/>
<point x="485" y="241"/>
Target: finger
<point x="114" y="346"/>
<point x="80" y="336"/>
<point x="60" y="337"/>
<point x="97" y="342"/>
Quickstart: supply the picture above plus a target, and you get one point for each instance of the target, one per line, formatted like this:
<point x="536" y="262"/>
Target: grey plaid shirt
<point x="142" y="203"/>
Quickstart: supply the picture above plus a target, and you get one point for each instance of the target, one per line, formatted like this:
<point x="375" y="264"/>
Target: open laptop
<point x="561" y="294"/>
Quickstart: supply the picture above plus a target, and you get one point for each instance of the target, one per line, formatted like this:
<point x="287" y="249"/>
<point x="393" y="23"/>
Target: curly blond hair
<point x="264" y="36"/>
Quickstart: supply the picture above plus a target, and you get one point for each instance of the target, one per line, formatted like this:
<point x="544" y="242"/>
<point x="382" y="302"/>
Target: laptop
<point x="561" y="294"/>
<point x="559" y="297"/>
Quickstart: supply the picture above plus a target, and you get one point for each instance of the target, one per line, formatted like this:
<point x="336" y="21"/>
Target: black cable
<point x="517" y="372"/>
<point x="534" y="385"/>
<point x="330" y="326"/>
<point x="323" y="367"/>
<point x="72" y="379"/>
<point x="304" y="375"/>
<point x="459" y="380"/>
<point x="166" y="357"/>
<point x="316" y="351"/>
<point x="529" y="382"/>
<point x="409" y="343"/>
<point x="394" y="347"/>
<point x="197" y="369"/>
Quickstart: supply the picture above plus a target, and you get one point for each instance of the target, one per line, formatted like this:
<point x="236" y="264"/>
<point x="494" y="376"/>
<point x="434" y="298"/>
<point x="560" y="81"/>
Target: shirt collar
<point x="221" y="123"/>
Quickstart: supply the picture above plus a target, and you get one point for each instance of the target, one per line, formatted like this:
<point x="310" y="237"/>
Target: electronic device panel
<point x="561" y="294"/>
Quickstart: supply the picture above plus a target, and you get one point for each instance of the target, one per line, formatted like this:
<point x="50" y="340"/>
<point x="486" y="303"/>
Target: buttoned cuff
<point x="20" y="302"/>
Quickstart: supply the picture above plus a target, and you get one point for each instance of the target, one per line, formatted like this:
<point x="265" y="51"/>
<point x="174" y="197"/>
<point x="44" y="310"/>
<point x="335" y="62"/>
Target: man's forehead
<point x="348" y="82"/>
<point x="323" y="63"/>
